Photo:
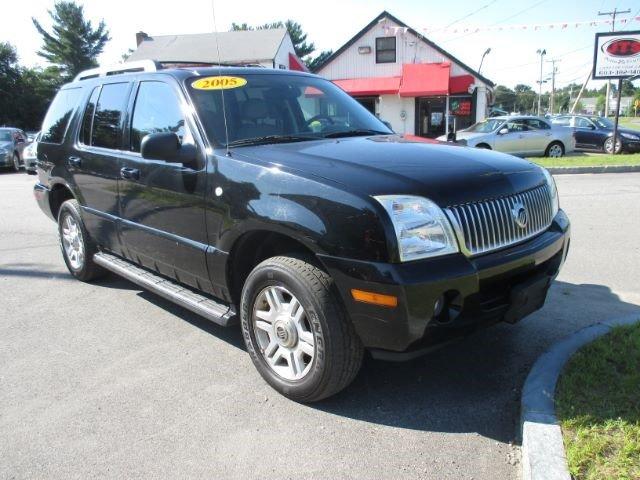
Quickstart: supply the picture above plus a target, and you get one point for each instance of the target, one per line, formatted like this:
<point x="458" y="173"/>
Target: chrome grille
<point x="489" y="225"/>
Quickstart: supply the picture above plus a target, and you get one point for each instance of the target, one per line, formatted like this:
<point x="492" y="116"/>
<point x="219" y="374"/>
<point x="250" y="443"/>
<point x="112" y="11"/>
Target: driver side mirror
<point x="503" y="131"/>
<point x="166" y="146"/>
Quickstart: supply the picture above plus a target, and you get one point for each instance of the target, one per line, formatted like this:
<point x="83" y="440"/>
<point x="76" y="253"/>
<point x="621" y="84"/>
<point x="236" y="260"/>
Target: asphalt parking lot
<point x="105" y="380"/>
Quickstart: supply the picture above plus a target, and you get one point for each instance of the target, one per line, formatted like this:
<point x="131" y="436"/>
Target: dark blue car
<point x="596" y="133"/>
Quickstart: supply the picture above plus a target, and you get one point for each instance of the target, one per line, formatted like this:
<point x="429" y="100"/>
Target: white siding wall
<point x="282" y="56"/>
<point x="409" y="49"/>
<point x="390" y="108"/>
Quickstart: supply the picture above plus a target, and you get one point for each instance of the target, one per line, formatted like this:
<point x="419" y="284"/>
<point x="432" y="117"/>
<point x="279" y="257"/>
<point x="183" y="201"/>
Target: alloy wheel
<point x="555" y="151"/>
<point x="72" y="242"/>
<point x="608" y="145"/>
<point x="283" y="333"/>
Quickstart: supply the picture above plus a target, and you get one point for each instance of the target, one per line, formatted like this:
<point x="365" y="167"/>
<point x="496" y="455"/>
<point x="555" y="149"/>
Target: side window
<point x="87" y="119"/>
<point x="107" y="130"/>
<point x="385" y="50"/>
<point x="563" y="121"/>
<point x="517" y="126"/>
<point x="156" y="110"/>
<point x="535" y="124"/>
<point x="582" y="122"/>
<point x="57" y="119"/>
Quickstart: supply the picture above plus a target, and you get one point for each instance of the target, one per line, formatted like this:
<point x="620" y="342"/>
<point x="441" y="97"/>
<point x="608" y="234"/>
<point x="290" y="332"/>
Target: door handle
<point x="75" y="162"/>
<point x="130" y="173"/>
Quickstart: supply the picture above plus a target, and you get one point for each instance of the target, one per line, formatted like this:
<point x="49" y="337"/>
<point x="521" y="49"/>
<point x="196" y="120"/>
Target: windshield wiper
<point x="270" y="139"/>
<point x="355" y="133"/>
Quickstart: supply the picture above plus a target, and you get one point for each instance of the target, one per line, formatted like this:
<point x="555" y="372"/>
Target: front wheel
<point x="555" y="150"/>
<point x="16" y="162"/>
<point x="296" y="331"/>
<point x="608" y="145"/>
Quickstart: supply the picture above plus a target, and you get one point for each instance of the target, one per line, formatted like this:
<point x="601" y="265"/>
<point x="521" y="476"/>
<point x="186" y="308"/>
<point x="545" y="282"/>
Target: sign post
<point x="616" y="55"/>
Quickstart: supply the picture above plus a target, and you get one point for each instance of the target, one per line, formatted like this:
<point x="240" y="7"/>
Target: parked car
<point x="273" y="199"/>
<point x="31" y="135"/>
<point x="596" y="133"/>
<point x="29" y="155"/>
<point x="518" y="135"/>
<point x="12" y="143"/>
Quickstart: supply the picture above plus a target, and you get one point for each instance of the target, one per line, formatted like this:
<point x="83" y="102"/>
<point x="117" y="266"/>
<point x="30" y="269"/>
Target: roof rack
<point x="129" y="67"/>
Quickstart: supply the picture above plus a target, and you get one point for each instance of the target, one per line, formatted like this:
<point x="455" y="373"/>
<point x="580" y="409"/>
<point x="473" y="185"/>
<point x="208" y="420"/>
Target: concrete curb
<point x="543" y="456"/>
<point x="602" y="169"/>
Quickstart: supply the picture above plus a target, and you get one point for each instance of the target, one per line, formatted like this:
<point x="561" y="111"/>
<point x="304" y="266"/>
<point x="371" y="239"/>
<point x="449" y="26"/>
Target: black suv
<point x="273" y="199"/>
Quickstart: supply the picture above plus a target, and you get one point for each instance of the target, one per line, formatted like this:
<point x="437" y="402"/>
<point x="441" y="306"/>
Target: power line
<point x="469" y="14"/>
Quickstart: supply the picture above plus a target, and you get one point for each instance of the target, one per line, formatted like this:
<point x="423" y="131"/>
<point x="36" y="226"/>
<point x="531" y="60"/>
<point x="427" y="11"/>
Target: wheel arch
<point x="484" y="145"/>
<point x="59" y="193"/>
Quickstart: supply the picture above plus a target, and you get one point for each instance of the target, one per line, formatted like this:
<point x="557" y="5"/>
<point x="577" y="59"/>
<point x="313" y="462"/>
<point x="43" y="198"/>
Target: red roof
<point x="369" y="86"/>
<point x="460" y="84"/>
<point x="296" y="64"/>
<point x="423" y="79"/>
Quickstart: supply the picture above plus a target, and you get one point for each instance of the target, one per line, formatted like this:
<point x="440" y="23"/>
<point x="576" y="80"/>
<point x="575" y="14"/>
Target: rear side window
<point x="535" y="124"/>
<point x="156" y="110"/>
<point x="87" y="119"/>
<point x="107" y="120"/>
<point x="57" y="119"/>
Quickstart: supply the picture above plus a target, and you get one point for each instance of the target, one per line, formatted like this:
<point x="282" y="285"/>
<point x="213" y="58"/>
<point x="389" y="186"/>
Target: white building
<point x="270" y="48"/>
<point x="407" y="80"/>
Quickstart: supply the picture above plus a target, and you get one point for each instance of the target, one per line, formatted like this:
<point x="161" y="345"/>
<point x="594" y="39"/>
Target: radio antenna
<point x="224" y="110"/>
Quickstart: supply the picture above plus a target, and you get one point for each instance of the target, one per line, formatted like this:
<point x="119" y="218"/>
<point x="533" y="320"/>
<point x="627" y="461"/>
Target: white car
<point x="518" y="135"/>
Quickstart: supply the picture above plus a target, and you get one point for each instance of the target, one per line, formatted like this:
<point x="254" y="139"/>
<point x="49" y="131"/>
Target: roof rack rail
<point x="120" y="68"/>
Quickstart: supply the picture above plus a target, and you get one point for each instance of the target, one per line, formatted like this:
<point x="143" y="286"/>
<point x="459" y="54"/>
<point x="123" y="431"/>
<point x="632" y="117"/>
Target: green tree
<point x="73" y="43"/>
<point x="505" y="98"/>
<point x="9" y="79"/>
<point x="298" y="38"/>
<point x="628" y="89"/>
<point x="600" y="102"/>
<point x="315" y="62"/>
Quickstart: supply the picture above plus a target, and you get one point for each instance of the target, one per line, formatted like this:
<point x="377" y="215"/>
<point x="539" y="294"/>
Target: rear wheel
<point x="608" y="145"/>
<point x="296" y="331"/>
<point x="555" y="150"/>
<point x="76" y="245"/>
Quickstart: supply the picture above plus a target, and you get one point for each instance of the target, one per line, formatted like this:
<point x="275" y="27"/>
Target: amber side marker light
<point x="374" y="298"/>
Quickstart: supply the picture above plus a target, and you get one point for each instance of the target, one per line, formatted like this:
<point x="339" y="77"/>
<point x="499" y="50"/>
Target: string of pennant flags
<point x="525" y="26"/>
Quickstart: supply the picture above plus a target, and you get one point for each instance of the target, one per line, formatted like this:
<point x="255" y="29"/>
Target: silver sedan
<point x="518" y="135"/>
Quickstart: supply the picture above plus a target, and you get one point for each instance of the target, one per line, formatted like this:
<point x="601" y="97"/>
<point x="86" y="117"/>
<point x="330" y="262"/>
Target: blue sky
<point x="330" y="23"/>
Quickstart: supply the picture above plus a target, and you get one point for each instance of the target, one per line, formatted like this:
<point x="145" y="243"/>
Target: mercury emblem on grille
<point x="520" y="215"/>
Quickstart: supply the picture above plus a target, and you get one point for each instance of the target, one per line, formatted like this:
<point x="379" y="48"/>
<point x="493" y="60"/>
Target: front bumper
<point x="505" y="285"/>
<point x="631" y="146"/>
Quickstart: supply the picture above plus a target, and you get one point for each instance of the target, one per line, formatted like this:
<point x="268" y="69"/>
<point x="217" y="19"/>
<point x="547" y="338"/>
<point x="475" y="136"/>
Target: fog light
<point x="438" y="306"/>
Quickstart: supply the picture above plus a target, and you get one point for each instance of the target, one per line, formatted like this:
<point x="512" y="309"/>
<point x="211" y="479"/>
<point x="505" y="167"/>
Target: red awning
<point x="296" y="64"/>
<point x="369" y="86"/>
<point x="460" y="84"/>
<point x="423" y="79"/>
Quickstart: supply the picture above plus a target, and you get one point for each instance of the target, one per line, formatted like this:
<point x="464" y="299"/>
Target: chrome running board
<point x="220" y="313"/>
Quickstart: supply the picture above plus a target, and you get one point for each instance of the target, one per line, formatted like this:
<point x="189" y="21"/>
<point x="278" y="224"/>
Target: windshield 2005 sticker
<point x="218" y="83"/>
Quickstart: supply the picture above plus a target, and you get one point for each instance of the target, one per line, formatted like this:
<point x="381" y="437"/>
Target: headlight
<point x="553" y="191"/>
<point x="630" y="136"/>
<point x="421" y="227"/>
<point x="3" y="151"/>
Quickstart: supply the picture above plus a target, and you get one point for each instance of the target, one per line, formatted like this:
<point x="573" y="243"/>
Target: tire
<point x="608" y="145"/>
<point x="73" y="237"/>
<point x="554" y="150"/>
<point x="16" y="162"/>
<point x="336" y="351"/>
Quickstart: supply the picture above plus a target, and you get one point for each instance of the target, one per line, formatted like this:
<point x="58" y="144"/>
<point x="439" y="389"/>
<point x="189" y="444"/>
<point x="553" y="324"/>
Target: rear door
<point x="95" y="161"/>
<point x="538" y="136"/>
<point x="162" y="204"/>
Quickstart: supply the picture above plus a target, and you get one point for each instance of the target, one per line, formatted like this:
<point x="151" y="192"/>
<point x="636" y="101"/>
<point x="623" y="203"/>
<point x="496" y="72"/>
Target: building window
<point x="386" y="50"/>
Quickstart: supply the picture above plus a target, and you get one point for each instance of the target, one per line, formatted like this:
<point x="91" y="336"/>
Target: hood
<point x="6" y="145"/>
<point x="468" y="135"/>
<point x="445" y="173"/>
<point x="630" y="131"/>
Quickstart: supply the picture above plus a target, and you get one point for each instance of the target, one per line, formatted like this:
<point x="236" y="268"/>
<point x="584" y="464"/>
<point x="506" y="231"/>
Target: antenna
<point x="224" y="110"/>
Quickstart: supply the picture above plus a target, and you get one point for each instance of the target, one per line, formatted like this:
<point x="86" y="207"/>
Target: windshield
<point x="486" y="126"/>
<point x="602" y="122"/>
<point x="5" y="136"/>
<point x="267" y="108"/>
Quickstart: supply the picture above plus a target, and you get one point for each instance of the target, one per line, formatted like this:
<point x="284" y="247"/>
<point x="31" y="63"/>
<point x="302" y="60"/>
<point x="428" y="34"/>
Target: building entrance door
<point x="430" y="116"/>
<point x="368" y="102"/>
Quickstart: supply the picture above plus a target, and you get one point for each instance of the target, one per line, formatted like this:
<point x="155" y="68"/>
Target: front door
<point x="431" y="116"/>
<point x="368" y="102"/>
<point x="162" y="203"/>
<point x="514" y="141"/>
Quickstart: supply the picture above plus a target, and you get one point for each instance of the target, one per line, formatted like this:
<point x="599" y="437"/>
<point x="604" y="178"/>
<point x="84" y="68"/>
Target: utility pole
<point x="542" y="52"/>
<point x="554" y="70"/>
<point x="613" y="16"/>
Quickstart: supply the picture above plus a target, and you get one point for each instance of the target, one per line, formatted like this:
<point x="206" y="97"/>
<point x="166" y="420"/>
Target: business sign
<point x="461" y="108"/>
<point x="617" y="55"/>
